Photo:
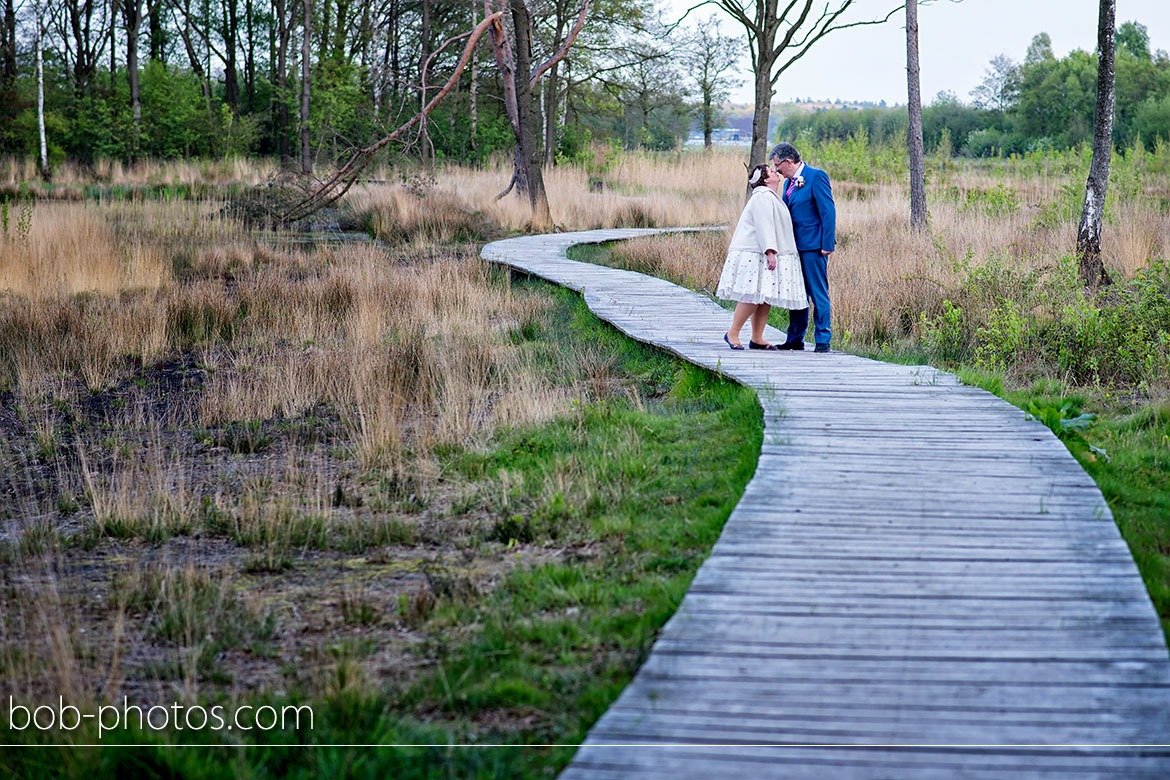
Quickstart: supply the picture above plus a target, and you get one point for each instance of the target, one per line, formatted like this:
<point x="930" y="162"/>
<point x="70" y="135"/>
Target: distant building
<point x="722" y="136"/>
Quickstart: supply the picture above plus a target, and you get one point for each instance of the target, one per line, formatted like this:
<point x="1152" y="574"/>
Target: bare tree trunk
<point x="306" y="152"/>
<point x="8" y="54"/>
<point x="473" y="109"/>
<point x="132" y="12"/>
<point x="527" y="153"/>
<point x="44" y="143"/>
<point x="1092" y="267"/>
<point x="917" y="153"/>
<point x="763" y="109"/>
<point x="158" y="34"/>
<point x="550" y="117"/>
<point x="395" y="61"/>
<point x="231" y="28"/>
<point x="250" y="55"/>
<point x="283" y="32"/>
<point x="113" y="45"/>
<point x="424" y="55"/>
<point x="193" y="56"/>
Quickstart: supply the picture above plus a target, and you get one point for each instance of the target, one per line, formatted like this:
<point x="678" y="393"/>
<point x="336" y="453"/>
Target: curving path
<point x="917" y="582"/>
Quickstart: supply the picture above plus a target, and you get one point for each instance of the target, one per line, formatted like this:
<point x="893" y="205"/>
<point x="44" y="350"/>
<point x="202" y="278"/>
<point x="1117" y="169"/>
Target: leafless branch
<point x="340" y="182"/>
<point x="560" y="55"/>
<point x="825" y="31"/>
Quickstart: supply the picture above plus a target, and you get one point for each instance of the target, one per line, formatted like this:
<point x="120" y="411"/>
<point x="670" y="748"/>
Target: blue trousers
<point x="816" y="284"/>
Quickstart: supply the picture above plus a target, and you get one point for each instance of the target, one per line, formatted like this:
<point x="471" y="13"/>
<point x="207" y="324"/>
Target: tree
<point x="38" y="13"/>
<point x="306" y="156"/>
<point x="1135" y="39"/>
<point x="1000" y="88"/>
<point x="85" y="36"/>
<point x="1039" y="50"/>
<point x="914" y="136"/>
<point x="132" y="15"/>
<point x="655" y="114"/>
<point x="1092" y="268"/>
<point x="8" y="54"/>
<point x="798" y="27"/>
<point x="709" y="57"/>
<point x="515" y="66"/>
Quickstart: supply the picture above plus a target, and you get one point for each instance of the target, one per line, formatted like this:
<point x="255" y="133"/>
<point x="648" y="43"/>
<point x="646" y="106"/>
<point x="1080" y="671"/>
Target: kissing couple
<point x="779" y="252"/>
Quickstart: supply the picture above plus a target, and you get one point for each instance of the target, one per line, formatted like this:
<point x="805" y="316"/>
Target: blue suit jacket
<point x="814" y="218"/>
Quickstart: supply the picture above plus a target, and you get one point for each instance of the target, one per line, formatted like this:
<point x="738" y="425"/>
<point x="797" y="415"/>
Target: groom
<point x="814" y="221"/>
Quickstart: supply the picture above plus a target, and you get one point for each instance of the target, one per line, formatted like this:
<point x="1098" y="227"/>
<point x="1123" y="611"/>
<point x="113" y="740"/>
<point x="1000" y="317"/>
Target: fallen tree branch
<point x="340" y="182"/>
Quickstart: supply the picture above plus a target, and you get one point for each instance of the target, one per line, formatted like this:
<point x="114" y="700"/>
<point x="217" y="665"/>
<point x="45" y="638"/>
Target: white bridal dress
<point x="765" y="224"/>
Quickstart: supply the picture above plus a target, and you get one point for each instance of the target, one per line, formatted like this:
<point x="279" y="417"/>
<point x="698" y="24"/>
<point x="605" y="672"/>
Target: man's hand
<point x="826" y="254"/>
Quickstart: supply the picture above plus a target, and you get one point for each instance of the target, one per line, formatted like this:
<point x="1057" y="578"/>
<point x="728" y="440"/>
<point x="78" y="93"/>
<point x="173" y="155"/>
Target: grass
<point x="440" y="503"/>
<point x="563" y="543"/>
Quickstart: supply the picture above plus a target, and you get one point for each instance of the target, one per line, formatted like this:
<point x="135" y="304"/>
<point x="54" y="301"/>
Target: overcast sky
<point x="956" y="42"/>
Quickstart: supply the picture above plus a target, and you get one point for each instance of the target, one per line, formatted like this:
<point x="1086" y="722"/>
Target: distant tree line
<point x="1042" y="102"/>
<point x="128" y="79"/>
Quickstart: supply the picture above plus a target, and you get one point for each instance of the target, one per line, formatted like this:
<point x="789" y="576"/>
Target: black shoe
<point x="791" y="345"/>
<point x="821" y="348"/>
<point x="757" y="345"/>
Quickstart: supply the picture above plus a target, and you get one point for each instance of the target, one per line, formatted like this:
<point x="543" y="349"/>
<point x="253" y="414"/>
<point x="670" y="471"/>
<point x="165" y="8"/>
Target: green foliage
<point x="947" y="336"/>
<point x="999" y="318"/>
<point x="854" y="158"/>
<point x="999" y="201"/>
<point x="999" y="340"/>
<point x="1062" y="420"/>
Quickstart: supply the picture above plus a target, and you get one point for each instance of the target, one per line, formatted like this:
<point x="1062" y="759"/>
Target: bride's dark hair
<point x="757" y="176"/>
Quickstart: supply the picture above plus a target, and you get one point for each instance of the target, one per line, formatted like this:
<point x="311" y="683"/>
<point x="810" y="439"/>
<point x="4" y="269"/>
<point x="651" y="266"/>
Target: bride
<point x="762" y="269"/>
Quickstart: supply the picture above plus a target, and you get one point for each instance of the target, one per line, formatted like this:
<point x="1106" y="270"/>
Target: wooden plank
<point x="914" y="562"/>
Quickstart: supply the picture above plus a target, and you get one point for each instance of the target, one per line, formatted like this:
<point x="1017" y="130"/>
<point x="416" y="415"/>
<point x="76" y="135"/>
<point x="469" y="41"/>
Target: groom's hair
<point x="785" y="151"/>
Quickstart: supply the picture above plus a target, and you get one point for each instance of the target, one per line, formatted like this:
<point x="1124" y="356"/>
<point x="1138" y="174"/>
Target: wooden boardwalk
<point x="917" y="582"/>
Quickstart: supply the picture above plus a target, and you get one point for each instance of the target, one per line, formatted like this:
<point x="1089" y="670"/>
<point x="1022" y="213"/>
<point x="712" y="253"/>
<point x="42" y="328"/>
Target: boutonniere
<point x="798" y="181"/>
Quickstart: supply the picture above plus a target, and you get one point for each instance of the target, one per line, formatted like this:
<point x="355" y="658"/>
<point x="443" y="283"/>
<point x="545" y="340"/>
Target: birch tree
<point x="1092" y="267"/>
<point x="39" y="12"/>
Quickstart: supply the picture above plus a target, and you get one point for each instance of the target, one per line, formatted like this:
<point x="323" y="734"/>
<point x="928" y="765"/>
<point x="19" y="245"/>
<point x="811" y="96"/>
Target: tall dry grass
<point x="15" y="171"/>
<point x="639" y="191"/>
<point x="883" y="275"/>
<point x="135" y="338"/>
<point x="126" y="406"/>
<point x="68" y="250"/>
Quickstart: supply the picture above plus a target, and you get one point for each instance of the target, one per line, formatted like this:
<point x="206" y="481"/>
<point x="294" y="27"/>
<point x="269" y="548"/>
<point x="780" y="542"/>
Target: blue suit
<point x="814" y="223"/>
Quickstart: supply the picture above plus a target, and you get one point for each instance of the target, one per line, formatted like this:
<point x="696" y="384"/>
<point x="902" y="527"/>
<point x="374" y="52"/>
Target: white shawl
<point x="764" y="224"/>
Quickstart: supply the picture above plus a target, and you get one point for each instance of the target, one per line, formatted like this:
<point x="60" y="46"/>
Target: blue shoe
<point x="755" y="345"/>
<point x="730" y="344"/>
